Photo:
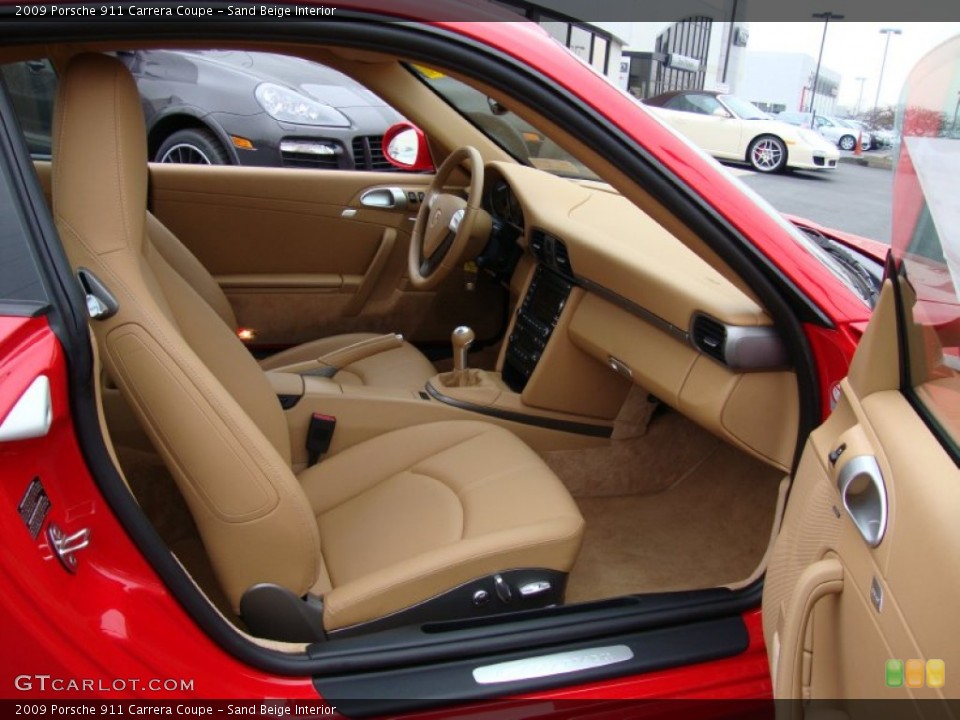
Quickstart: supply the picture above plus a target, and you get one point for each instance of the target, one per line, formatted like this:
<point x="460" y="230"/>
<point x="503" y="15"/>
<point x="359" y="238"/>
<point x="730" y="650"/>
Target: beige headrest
<point x="100" y="155"/>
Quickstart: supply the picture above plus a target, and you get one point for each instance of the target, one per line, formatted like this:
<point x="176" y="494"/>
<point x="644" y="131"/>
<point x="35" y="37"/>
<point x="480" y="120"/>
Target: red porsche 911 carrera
<point x="563" y="413"/>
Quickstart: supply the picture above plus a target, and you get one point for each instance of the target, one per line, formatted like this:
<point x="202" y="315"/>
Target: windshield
<point x="512" y="133"/>
<point x="744" y="109"/>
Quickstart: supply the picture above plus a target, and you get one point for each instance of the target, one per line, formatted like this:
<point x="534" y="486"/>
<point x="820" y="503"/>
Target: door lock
<point x="64" y="546"/>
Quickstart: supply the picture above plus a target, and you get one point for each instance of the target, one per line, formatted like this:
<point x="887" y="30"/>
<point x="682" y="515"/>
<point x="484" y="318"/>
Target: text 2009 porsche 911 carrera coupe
<point x="565" y="412"/>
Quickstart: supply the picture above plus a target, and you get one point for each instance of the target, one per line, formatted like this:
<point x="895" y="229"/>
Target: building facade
<point x="702" y="51"/>
<point x="778" y="82"/>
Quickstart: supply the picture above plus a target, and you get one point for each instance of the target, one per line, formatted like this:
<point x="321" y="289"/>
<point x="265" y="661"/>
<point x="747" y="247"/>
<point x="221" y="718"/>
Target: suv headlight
<point x="289" y="106"/>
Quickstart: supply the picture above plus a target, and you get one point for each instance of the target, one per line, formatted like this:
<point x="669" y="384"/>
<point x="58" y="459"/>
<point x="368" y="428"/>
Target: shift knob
<point x="461" y="338"/>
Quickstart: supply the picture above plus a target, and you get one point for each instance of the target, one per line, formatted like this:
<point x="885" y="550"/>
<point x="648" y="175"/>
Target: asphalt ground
<point x="852" y="197"/>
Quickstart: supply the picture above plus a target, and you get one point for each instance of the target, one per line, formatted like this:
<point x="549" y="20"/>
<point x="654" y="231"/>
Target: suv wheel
<point x="192" y="146"/>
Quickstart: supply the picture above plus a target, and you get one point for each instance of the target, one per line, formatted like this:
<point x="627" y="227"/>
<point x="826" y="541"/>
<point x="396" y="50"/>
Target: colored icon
<point x="914" y="673"/>
<point x="936" y="673"/>
<point x="894" y="673"/>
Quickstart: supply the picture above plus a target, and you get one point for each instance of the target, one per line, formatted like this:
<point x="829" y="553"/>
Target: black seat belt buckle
<point x="319" y="436"/>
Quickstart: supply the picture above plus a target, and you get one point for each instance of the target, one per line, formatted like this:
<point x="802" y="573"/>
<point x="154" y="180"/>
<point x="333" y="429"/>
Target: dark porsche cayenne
<point x="251" y="108"/>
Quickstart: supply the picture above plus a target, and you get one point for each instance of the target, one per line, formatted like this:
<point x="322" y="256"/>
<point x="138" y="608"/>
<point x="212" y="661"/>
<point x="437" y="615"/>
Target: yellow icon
<point x="914" y="674"/>
<point x="936" y="673"/>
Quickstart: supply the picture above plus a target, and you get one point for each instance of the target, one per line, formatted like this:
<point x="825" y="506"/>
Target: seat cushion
<point x="400" y="367"/>
<point x="408" y="515"/>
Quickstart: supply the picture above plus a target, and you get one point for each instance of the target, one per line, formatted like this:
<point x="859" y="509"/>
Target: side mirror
<point x="405" y="146"/>
<point x="720" y="112"/>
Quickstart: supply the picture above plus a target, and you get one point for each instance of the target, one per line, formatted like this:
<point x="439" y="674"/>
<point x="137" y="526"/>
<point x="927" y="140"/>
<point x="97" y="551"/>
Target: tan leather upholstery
<point x="403" y="366"/>
<point x="382" y="526"/>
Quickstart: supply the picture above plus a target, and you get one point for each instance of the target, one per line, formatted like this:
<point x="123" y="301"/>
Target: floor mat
<point x="710" y="529"/>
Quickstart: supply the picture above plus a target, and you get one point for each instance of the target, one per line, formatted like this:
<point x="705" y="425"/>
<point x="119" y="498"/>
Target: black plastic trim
<point x="422" y="688"/>
<point x="576" y="428"/>
<point x="24" y="308"/>
<point x="430" y="45"/>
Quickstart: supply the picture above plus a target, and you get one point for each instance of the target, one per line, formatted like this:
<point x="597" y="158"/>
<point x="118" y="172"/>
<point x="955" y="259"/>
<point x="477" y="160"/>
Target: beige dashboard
<point x="641" y="307"/>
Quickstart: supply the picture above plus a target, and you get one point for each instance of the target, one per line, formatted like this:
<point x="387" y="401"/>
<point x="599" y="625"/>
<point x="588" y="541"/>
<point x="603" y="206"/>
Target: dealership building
<point x="702" y="51"/>
<point x="778" y="82"/>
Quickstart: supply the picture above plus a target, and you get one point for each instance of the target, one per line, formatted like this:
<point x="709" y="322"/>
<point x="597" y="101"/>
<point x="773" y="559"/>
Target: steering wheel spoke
<point x="445" y="223"/>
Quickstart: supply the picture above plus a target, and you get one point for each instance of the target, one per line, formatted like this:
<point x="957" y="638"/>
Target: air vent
<point x="561" y="259"/>
<point x="551" y="252"/>
<point x="709" y="336"/>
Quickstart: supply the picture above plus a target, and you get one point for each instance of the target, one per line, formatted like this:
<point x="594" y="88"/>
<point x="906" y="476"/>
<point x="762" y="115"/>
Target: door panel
<point x="891" y="603"/>
<point x="300" y="256"/>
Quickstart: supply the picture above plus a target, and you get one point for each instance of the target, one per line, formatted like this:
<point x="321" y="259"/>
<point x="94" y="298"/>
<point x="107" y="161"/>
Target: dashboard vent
<point x="551" y="252"/>
<point x="561" y="259"/>
<point x="709" y="336"/>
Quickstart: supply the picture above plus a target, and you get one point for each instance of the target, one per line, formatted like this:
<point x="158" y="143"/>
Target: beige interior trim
<point x="372" y="276"/>
<point x="286" y="281"/>
<point x="819" y="579"/>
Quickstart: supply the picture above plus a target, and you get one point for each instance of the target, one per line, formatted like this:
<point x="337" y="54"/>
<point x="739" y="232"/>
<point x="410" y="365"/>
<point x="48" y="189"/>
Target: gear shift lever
<point x="461" y="338"/>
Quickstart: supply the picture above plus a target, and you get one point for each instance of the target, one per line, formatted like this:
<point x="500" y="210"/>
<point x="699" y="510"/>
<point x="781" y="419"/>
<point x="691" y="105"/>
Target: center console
<point x="536" y="320"/>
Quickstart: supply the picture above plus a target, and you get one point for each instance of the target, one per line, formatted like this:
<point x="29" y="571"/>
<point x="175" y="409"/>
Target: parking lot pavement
<point x="853" y="198"/>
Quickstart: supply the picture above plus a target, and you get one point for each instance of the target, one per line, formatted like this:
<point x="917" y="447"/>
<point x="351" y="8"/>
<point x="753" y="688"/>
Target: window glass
<point x="518" y="137"/>
<point x="926" y="240"/>
<point x="228" y="107"/>
<point x="32" y="86"/>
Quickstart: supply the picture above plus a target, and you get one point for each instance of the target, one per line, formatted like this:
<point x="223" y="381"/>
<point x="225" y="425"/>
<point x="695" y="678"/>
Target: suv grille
<point x="368" y="154"/>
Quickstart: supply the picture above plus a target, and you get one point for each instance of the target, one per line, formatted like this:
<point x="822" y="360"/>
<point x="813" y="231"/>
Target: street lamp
<point x="888" y="32"/>
<point x="860" y="80"/>
<point x="826" y="17"/>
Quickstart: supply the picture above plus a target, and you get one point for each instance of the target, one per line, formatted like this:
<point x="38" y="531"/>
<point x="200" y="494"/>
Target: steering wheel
<point x="442" y="233"/>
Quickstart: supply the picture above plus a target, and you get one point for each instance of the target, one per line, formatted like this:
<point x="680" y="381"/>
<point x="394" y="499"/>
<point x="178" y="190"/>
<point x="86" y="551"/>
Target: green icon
<point x="894" y="673"/>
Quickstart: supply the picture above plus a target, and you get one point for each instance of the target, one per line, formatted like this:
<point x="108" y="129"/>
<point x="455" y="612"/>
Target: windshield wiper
<point x="864" y="283"/>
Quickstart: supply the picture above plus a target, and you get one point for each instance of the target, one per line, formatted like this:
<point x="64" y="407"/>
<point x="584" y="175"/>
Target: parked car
<point x="833" y="129"/>
<point x="257" y="108"/>
<point x="658" y="417"/>
<point x="731" y="128"/>
<point x="867" y="141"/>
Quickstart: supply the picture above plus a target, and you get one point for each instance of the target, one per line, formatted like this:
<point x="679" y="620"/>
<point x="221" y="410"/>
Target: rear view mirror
<point x="405" y="146"/>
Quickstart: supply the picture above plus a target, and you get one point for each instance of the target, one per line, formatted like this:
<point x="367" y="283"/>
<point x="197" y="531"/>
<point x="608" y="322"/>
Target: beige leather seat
<point x="395" y="365"/>
<point x="400" y="523"/>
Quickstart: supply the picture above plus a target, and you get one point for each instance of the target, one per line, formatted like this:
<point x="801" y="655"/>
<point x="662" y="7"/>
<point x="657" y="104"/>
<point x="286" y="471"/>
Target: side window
<point x="928" y="273"/>
<point x="703" y="104"/>
<point x="32" y="85"/>
<point x="21" y="289"/>
<point x="222" y="107"/>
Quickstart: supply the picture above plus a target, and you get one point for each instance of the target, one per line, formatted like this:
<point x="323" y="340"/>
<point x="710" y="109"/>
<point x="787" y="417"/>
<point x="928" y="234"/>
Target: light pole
<point x="860" y="80"/>
<point x="888" y="32"/>
<point x="826" y="17"/>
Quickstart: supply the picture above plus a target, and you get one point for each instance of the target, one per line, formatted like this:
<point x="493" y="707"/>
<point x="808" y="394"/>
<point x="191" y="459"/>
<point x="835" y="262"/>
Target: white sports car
<point x="730" y="128"/>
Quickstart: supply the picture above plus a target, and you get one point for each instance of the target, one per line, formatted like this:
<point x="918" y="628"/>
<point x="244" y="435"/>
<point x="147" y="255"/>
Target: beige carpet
<point x="669" y="450"/>
<point x="712" y="528"/>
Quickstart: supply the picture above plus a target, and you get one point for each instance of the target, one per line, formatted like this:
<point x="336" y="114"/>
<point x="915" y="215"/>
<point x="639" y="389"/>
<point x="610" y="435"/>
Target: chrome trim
<point x="64" y="546"/>
<point x="391" y="198"/>
<point x="32" y="414"/>
<point x="551" y="665"/>
<point x="308" y="147"/>
<point x="746" y="348"/>
<point x="864" y="497"/>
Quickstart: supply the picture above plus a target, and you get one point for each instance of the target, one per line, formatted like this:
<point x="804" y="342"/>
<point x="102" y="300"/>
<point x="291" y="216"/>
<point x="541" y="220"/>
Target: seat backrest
<point x="200" y="396"/>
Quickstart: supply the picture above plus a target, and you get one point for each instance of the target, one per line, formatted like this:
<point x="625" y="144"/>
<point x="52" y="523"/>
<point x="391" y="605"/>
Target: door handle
<point x="385" y="198"/>
<point x="864" y="497"/>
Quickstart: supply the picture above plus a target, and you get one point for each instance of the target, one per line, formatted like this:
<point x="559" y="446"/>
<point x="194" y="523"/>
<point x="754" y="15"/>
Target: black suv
<point x="250" y="108"/>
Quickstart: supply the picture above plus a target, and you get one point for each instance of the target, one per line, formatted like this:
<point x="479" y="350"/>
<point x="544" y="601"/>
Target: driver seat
<point x="394" y="364"/>
<point x="441" y="520"/>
